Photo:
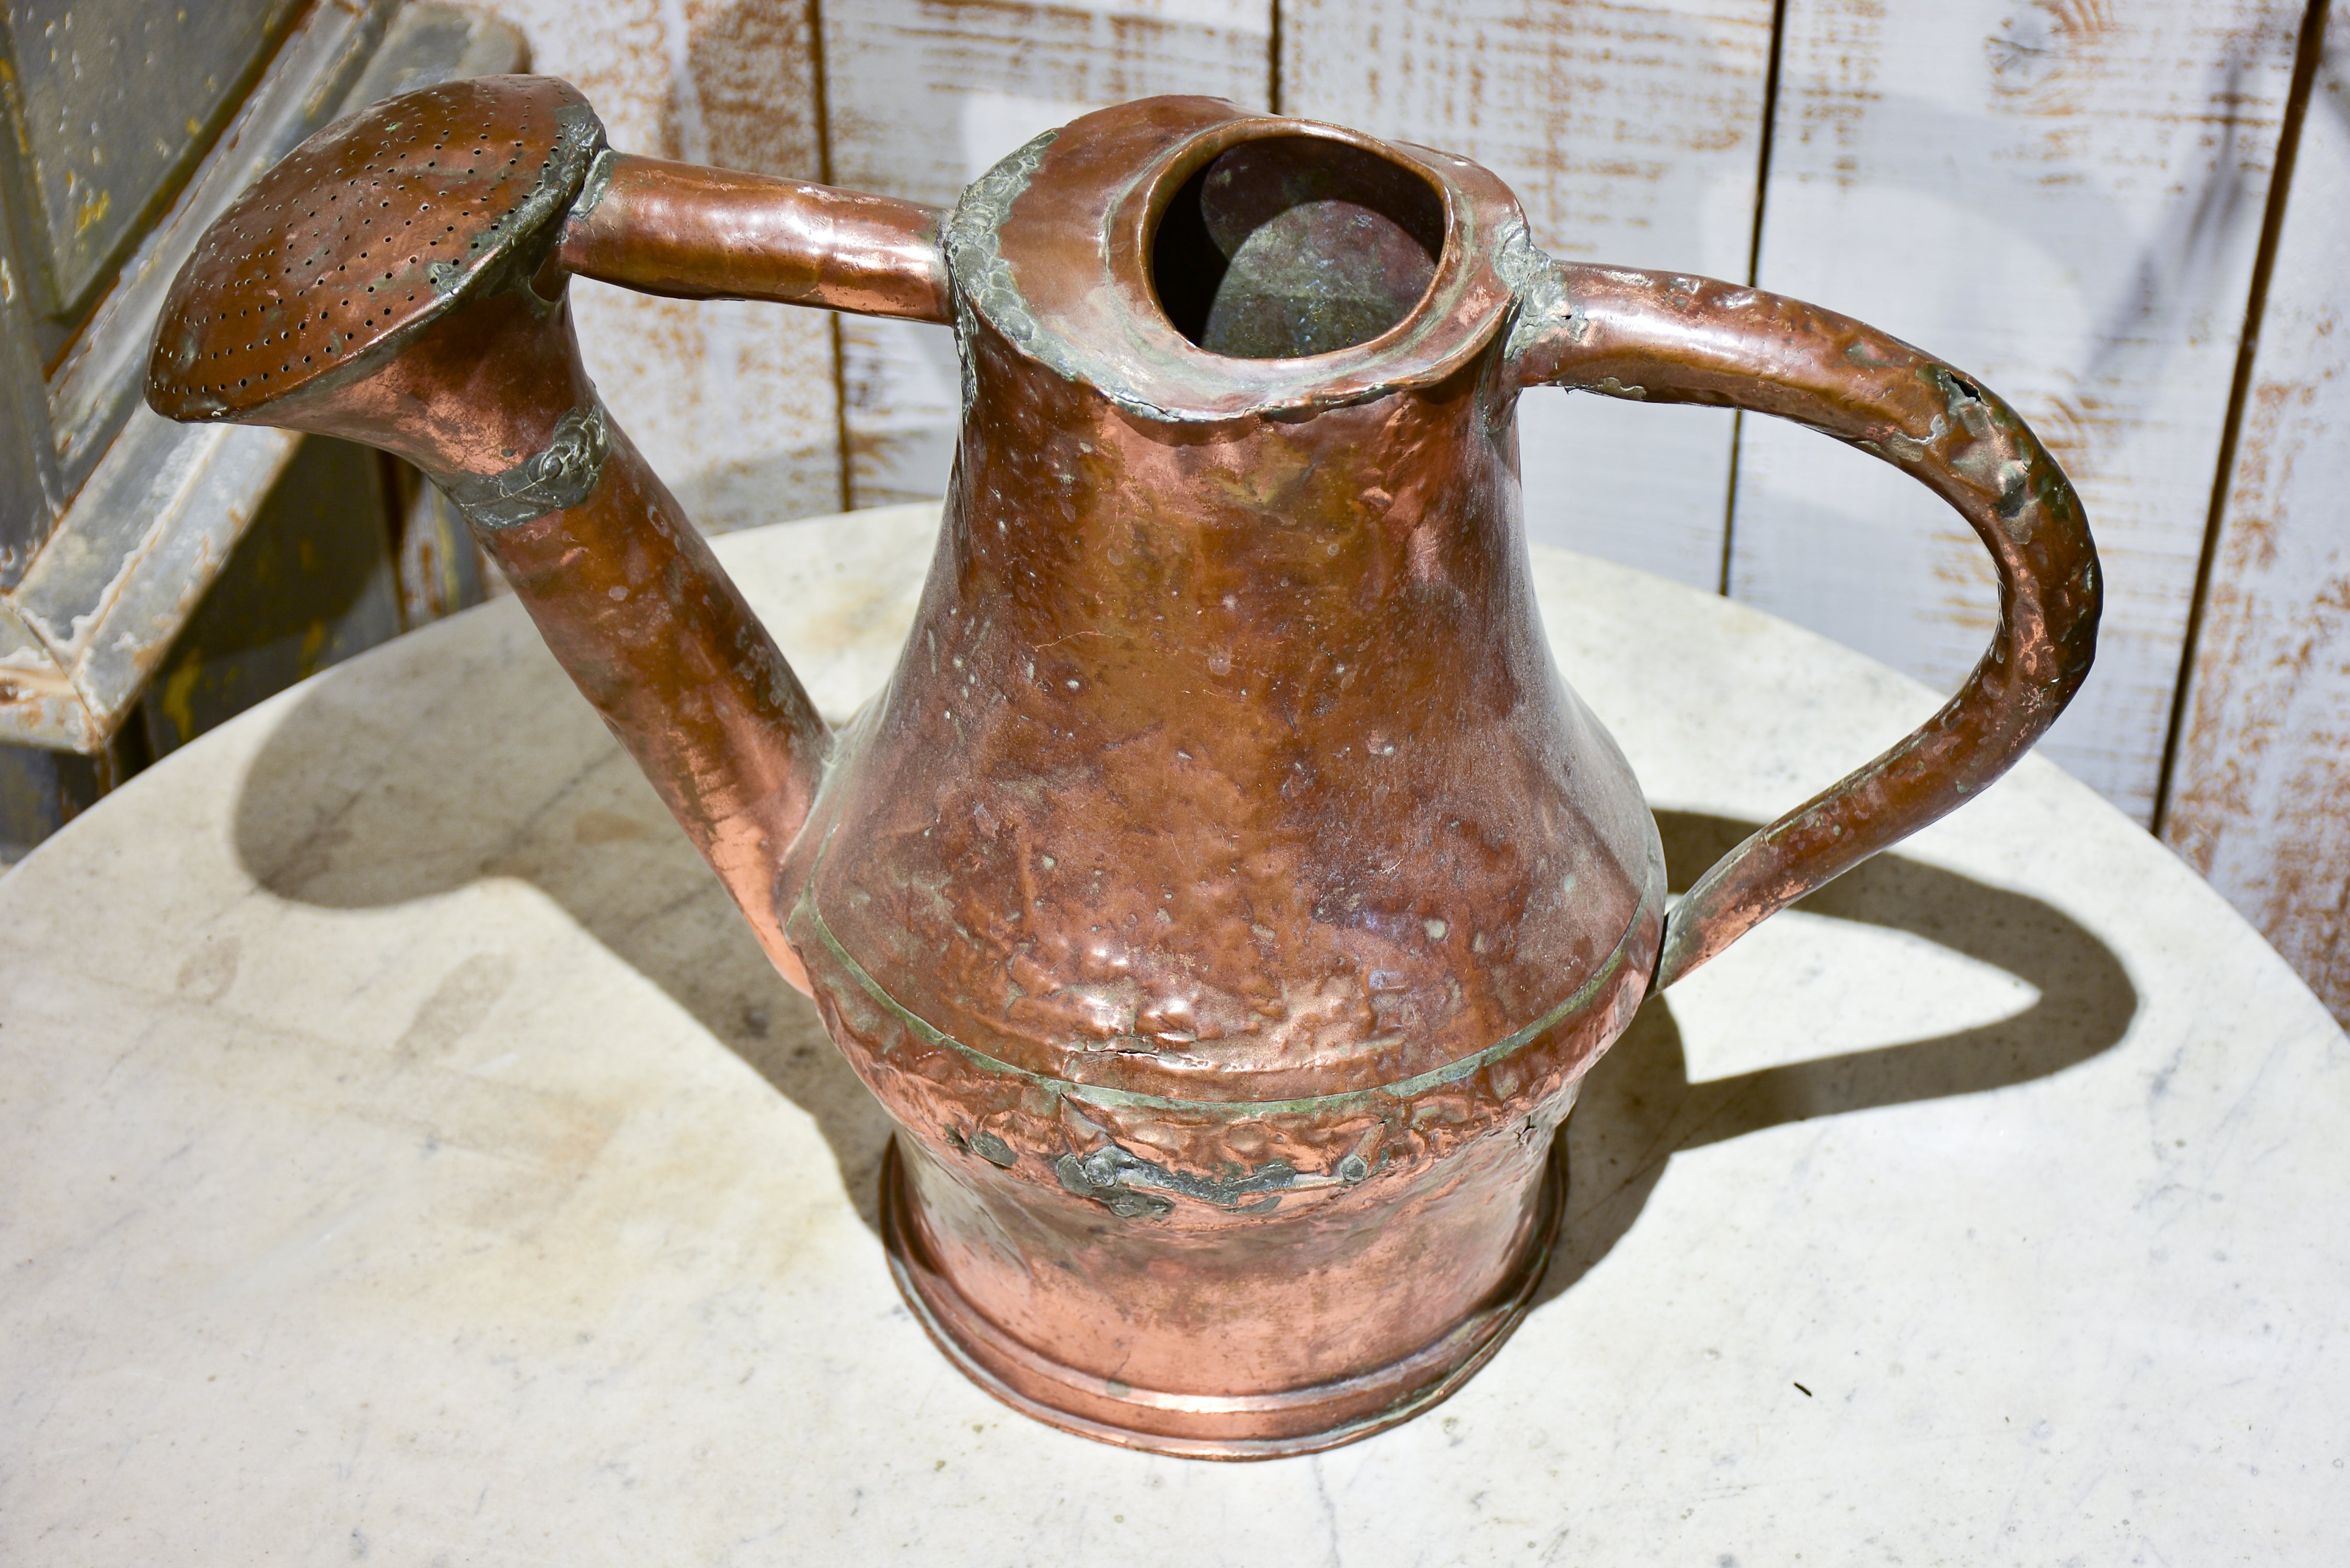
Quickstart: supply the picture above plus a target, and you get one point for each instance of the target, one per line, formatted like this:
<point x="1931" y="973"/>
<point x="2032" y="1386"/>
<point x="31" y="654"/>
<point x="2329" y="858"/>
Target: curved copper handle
<point x="1667" y="339"/>
<point x="695" y="233"/>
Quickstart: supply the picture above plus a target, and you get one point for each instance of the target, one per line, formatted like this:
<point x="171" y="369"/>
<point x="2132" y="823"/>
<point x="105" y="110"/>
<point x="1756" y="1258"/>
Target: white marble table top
<point x="406" y="1155"/>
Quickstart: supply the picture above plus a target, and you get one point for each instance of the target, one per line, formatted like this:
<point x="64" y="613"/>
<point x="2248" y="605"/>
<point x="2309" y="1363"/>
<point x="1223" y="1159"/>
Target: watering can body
<point x="1225" y="895"/>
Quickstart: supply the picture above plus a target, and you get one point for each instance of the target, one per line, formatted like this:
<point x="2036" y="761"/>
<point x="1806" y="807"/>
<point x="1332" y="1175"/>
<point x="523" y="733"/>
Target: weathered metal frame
<point x="113" y="522"/>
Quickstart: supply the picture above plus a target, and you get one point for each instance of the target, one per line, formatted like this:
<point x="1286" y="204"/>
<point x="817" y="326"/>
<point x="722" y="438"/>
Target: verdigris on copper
<point x="1225" y="895"/>
<point x="556" y="479"/>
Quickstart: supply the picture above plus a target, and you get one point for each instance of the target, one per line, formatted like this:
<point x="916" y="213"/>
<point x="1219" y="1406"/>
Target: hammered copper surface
<point x="1225" y="895"/>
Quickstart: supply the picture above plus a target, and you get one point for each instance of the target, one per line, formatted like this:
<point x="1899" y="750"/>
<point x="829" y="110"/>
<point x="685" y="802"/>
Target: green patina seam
<point x="1402" y="1089"/>
<point x="557" y="478"/>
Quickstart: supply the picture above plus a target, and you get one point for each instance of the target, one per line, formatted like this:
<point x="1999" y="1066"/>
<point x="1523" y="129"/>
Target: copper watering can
<point x="1225" y="895"/>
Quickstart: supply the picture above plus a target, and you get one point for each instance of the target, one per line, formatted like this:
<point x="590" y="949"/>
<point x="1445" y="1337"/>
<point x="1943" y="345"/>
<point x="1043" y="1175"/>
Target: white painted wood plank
<point x="926" y="96"/>
<point x="1631" y="133"/>
<point x="736" y="403"/>
<point x="2064" y="198"/>
<point x="2260" y="797"/>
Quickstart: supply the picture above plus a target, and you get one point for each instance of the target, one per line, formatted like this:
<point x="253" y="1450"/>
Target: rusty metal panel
<point x="144" y="540"/>
<point x="28" y="480"/>
<point x="309" y="584"/>
<point x="1632" y="134"/>
<point x="2066" y="199"/>
<point x="92" y="388"/>
<point x="34" y="692"/>
<point x="429" y="44"/>
<point x="97" y="607"/>
<point x="113" y="100"/>
<point x="2260" y="789"/>
<point x="440" y="568"/>
<point x="40" y="792"/>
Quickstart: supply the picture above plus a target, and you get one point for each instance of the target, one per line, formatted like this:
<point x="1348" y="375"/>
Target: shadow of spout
<point x="1638" y="1108"/>
<point x="359" y="803"/>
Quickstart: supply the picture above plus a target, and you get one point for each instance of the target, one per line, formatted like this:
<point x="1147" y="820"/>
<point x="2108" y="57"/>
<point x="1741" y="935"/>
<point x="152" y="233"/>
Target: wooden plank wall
<point x="1631" y="132"/>
<point x="2260" y="791"/>
<point x="2065" y="199"/>
<point x="926" y="95"/>
<point x="736" y="404"/>
<point x="2066" y="196"/>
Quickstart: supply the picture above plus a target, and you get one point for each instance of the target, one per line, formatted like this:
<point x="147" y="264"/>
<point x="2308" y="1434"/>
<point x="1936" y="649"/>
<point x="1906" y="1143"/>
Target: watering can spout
<point x="400" y="280"/>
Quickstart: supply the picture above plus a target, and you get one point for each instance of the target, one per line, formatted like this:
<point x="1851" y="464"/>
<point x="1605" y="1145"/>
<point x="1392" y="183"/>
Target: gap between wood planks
<point x="2308" y="50"/>
<point x="1272" y="57"/>
<point x="823" y="177"/>
<point x="1754" y="266"/>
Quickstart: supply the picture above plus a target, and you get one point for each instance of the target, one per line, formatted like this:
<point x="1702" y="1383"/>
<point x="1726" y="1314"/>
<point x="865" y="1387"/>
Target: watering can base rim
<point x="1277" y="1425"/>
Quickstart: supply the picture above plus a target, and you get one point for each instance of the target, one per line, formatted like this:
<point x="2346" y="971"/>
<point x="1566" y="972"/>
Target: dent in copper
<point x="1225" y="895"/>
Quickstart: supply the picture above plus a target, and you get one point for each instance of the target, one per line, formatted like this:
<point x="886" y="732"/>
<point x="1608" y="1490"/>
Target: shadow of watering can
<point x="1225" y="895"/>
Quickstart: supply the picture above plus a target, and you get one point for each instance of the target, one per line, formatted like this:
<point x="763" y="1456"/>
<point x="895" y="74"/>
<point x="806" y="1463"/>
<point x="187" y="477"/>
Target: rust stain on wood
<point x="734" y="403"/>
<point x="2261" y="803"/>
<point x="2065" y="196"/>
<point x="2259" y="798"/>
